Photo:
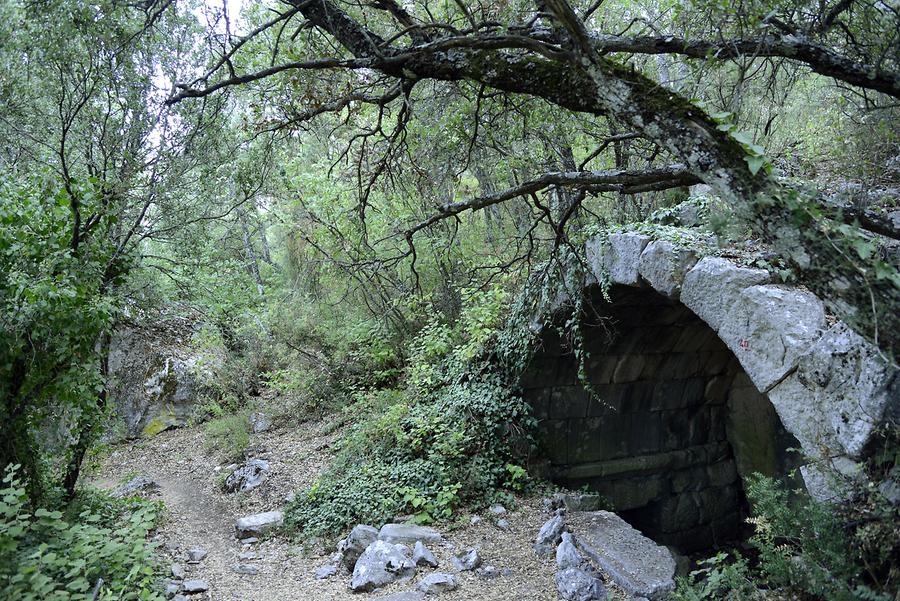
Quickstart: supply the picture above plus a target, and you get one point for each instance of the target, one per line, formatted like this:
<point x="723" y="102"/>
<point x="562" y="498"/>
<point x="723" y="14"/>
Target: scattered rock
<point x="245" y="568"/>
<point x="172" y="587"/>
<point x="250" y="541"/>
<point x="247" y="477"/>
<point x="497" y="509"/>
<point x="326" y="572"/>
<point x="475" y="520"/>
<point x="422" y="556"/>
<point x="437" y="583"/>
<point x="487" y="573"/>
<point x="196" y="555"/>
<point x="635" y="563"/>
<point x="466" y="560"/>
<point x="503" y="524"/>
<point x="890" y="488"/>
<point x="380" y="564"/>
<point x="567" y="554"/>
<point x="135" y="486"/>
<point x="549" y="535"/>
<point x="408" y="534"/>
<point x="577" y="585"/>
<point x="194" y="586"/>
<point x="247" y="555"/>
<point x="260" y="422"/>
<point x="179" y="598"/>
<point x="178" y="571"/>
<point x="260" y="523"/>
<point x="356" y="542"/>
<point x="407" y="596"/>
<point x="290" y="497"/>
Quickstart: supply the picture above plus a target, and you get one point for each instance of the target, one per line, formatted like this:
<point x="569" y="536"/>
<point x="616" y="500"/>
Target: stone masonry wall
<point x="653" y="438"/>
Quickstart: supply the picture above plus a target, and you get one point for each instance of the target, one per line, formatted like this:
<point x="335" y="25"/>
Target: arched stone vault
<point x="702" y="372"/>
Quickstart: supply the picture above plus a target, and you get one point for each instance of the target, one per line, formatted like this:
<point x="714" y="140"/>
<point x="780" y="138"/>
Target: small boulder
<point x="567" y="554"/>
<point x="423" y="556"/>
<point x="178" y="571"/>
<point x="260" y="422"/>
<point x="356" y="542"/>
<point x="247" y="477"/>
<point x="497" y="510"/>
<point x="135" y="486"/>
<point x="487" y="573"/>
<point x="245" y="568"/>
<point x="259" y="523"/>
<point x="437" y="583"/>
<point x="503" y="524"/>
<point x="549" y="535"/>
<point x="326" y="572"/>
<point x="577" y="585"/>
<point x="405" y="596"/>
<point x="466" y="560"/>
<point x="475" y="520"/>
<point x="408" y="534"/>
<point x="380" y="564"/>
<point x="247" y="555"/>
<point x="196" y="555"/>
<point x="194" y="586"/>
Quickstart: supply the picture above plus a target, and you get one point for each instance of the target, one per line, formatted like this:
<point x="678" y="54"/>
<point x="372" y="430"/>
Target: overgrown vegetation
<point x="96" y="549"/>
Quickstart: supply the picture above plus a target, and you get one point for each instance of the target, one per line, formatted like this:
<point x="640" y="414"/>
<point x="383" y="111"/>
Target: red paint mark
<point x="744" y="344"/>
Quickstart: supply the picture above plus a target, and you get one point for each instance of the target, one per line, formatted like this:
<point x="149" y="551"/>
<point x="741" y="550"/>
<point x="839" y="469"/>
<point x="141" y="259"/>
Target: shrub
<point x="48" y="555"/>
<point x="229" y="434"/>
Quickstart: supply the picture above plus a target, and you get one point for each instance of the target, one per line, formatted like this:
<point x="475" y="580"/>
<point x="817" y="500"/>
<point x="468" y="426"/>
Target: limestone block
<point x="617" y="256"/>
<point x="842" y="391"/>
<point x="714" y="285"/>
<point x="769" y="328"/>
<point x="664" y="266"/>
<point x="832" y="480"/>
<point x="634" y="562"/>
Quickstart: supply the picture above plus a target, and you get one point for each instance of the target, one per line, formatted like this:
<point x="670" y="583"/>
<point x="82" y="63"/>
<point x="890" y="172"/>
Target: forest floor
<point x="199" y="514"/>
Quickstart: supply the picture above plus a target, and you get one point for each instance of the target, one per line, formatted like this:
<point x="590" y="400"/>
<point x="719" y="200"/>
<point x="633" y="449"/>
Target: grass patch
<point x="228" y="435"/>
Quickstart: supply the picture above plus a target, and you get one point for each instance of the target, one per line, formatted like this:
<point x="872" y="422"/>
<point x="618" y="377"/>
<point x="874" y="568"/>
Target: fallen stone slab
<point x="408" y="534"/>
<point x="380" y="564"/>
<point x="437" y="583"/>
<point x="634" y="562"/>
<point x="260" y="523"/>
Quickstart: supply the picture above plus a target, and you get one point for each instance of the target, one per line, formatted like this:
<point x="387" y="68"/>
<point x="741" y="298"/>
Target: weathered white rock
<point x="466" y="561"/>
<point x="664" y="266"/>
<point x="714" y="285"/>
<point x="549" y="535"/>
<point x="497" y="510"/>
<point x="260" y="523"/>
<point x="768" y="330"/>
<point x="409" y="534"/>
<point x="503" y="524"/>
<point x="356" y="542"/>
<point x="423" y="556"/>
<point x="380" y="564"/>
<point x="437" y="583"/>
<point x="832" y="480"/>
<point x="634" y="562"/>
<point x="616" y="256"/>
<point x="574" y="584"/>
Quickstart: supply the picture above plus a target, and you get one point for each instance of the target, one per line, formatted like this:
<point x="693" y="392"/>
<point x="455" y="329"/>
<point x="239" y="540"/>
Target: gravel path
<point x="199" y="514"/>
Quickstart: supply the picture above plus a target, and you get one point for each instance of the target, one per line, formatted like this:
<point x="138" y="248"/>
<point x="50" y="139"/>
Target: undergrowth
<point x="96" y="548"/>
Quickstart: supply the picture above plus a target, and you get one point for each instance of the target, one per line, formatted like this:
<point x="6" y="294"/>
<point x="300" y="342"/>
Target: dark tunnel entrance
<point x="673" y="426"/>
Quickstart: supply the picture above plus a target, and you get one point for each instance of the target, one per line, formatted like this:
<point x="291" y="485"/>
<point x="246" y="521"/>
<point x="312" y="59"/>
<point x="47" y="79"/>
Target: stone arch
<point x="702" y="372"/>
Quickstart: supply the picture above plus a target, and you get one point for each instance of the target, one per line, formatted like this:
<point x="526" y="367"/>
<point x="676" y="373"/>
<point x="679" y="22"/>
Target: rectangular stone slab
<point x="634" y="562"/>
